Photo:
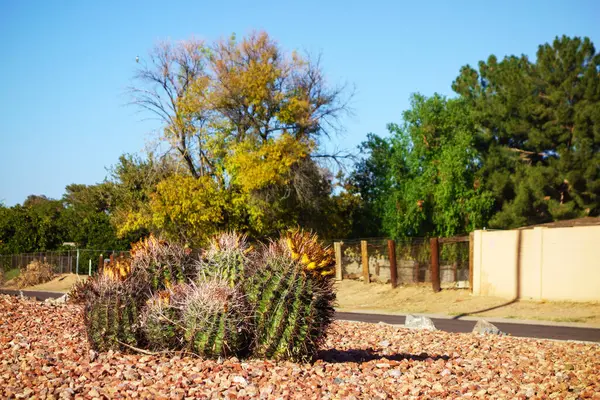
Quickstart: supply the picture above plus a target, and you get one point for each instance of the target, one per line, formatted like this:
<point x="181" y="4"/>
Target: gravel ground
<point x="44" y="354"/>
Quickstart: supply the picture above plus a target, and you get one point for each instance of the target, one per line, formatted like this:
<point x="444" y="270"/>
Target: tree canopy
<point x="244" y="123"/>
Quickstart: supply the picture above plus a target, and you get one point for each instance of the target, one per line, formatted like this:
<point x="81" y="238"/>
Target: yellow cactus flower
<point x="305" y="260"/>
<point x="324" y="263"/>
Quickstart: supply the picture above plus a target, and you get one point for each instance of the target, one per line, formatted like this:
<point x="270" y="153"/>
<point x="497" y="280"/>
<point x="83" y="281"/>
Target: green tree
<point x="422" y="181"/>
<point x="33" y="226"/>
<point x="369" y="185"/>
<point x="87" y="217"/>
<point x="539" y="131"/>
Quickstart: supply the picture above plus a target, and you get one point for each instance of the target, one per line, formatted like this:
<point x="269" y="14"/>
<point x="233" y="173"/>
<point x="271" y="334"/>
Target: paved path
<point x="32" y="293"/>
<point x="448" y="325"/>
<point x="516" y="329"/>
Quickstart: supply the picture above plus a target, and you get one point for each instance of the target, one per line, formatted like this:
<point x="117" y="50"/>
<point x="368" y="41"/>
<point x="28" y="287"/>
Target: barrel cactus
<point x="228" y="258"/>
<point x="215" y="320"/>
<point x="126" y="289"/>
<point x="275" y="302"/>
<point x="111" y="314"/>
<point x="292" y="291"/>
<point x="160" y="320"/>
<point x="161" y="263"/>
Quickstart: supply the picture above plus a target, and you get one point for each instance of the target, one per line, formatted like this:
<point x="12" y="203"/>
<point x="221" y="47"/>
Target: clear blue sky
<point x="65" y="65"/>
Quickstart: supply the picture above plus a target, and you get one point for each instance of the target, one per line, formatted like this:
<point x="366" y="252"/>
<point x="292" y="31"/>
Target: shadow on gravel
<point x="359" y="356"/>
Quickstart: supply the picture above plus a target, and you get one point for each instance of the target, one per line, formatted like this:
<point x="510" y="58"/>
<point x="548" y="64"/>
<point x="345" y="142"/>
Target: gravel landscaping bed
<point x="44" y="354"/>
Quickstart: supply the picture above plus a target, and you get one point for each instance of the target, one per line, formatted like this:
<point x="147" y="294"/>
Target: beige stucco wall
<point x="552" y="263"/>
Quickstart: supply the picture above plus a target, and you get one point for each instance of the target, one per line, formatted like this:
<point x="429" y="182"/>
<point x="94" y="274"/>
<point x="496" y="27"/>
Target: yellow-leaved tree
<point x="245" y="121"/>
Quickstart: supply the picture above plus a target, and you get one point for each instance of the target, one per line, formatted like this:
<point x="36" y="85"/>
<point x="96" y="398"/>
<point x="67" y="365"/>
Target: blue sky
<point x="65" y="65"/>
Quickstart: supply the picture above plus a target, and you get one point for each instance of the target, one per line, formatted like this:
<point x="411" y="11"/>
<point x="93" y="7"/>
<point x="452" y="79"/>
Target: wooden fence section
<point x="442" y="262"/>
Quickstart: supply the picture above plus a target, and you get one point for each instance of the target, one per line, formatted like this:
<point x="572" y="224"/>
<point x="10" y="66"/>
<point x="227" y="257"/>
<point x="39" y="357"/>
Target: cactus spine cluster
<point x="272" y="302"/>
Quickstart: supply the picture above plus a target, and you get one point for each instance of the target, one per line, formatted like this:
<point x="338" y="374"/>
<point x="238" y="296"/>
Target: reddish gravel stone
<point x="44" y="354"/>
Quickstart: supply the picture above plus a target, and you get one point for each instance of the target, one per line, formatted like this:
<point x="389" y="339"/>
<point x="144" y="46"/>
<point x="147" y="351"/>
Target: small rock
<point x="530" y="392"/>
<point x="384" y="343"/>
<point x="338" y="381"/>
<point x="446" y="372"/>
<point x="483" y="327"/>
<point x="395" y="373"/>
<point x="419" y="322"/>
<point x="382" y="365"/>
<point x="62" y="299"/>
<point x="93" y="355"/>
<point x="240" y="380"/>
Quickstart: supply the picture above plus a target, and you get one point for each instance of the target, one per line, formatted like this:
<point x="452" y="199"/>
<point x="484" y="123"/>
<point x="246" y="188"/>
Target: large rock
<point x="483" y="327"/>
<point x="61" y="300"/>
<point x="419" y="322"/>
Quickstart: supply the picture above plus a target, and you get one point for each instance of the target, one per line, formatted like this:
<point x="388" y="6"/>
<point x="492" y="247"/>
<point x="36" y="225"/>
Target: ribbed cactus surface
<point x="294" y="307"/>
<point x="111" y="317"/>
<point x="214" y="318"/>
<point x="275" y="302"/>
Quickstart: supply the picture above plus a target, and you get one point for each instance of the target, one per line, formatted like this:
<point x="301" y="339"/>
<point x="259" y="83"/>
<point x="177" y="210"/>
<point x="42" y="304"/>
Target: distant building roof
<point x="568" y="223"/>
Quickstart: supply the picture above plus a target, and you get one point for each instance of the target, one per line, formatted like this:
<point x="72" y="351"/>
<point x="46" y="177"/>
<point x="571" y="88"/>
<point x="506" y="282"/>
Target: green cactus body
<point x="111" y="321"/>
<point x="217" y="335"/>
<point x="161" y="331"/>
<point x="289" y="321"/>
<point x="226" y="265"/>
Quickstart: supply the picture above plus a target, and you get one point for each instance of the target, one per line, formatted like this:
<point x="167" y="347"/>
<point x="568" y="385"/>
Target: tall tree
<point x="369" y="184"/>
<point x="250" y="118"/>
<point x="422" y="181"/>
<point x="539" y="131"/>
<point x="433" y="171"/>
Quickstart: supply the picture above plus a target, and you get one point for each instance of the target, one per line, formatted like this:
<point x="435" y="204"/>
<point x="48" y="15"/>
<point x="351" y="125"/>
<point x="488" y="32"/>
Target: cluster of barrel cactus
<point x="271" y="300"/>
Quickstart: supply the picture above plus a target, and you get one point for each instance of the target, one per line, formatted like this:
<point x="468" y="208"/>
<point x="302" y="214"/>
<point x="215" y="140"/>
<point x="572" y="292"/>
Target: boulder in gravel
<point x="61" y="300"/>
<point x="419" y="322"/>
<point x="484" y="327"/>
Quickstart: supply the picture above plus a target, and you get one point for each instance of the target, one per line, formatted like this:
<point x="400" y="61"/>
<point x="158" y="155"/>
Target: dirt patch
<point x="357" y="296"/>
<point x="60" y="283"/>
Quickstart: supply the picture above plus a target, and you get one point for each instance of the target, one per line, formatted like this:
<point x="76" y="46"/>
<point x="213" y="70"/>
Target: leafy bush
<point x="35" y="273"/>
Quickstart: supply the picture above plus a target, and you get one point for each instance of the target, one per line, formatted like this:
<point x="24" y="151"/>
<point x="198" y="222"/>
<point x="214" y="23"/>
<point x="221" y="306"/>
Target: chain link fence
<point x="82" y="261"/>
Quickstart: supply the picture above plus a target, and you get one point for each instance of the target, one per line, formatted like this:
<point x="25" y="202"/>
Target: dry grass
<point x="35" y="273"/>
<point x="357" y="296"/>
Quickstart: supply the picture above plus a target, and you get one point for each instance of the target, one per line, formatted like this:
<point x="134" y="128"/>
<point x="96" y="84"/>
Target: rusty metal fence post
<point x="435" y="265"/>
<point x="365" y="261"/>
